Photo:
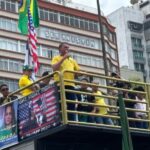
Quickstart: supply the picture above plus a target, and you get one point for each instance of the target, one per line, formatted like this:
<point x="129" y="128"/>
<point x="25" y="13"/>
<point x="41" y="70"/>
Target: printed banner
<point x="38" y="112"/>
<point x="8" y="125"/>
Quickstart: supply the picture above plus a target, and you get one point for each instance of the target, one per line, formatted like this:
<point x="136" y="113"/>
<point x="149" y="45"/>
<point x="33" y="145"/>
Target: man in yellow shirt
<point x="26" y="80"/>
<point x="65" y="62"/>
<point x="100" y="109"/>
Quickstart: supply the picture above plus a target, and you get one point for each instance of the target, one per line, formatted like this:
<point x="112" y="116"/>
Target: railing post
<point x="126" y="137"/>
<point x="63" y="99"/>
<point x="147" y="90"/>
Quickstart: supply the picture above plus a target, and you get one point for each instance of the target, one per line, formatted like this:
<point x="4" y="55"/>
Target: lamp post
<point x="102" y="40"/>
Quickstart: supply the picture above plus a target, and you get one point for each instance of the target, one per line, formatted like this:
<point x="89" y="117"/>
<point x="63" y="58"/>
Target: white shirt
<point x="140" y="106"/>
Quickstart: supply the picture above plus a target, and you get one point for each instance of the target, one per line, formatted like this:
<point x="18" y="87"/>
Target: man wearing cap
<point x="26" y="80"/>
<point x="64" y="62"/>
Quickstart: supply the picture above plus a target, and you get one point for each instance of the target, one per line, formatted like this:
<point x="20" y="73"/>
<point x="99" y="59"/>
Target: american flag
<point x="44" y="106"/>
<point x="24" y="113"/>
<point x="32" y="41"/>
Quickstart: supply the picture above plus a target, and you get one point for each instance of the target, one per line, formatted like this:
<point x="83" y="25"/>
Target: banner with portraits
<point x="8" y="124"/>
<point x="38" y="112"/>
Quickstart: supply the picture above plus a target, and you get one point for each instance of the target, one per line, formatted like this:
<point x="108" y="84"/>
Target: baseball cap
<point x="27" y="67"/>
<point x="84" y="78"/>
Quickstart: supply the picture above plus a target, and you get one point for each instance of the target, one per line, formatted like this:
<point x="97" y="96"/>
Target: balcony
<point x="138" y="47"/>
<point x="140" y="60"/>
<point x="56" y="129"/>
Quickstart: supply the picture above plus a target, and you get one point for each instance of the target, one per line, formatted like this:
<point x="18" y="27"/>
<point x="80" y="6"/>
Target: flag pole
<point x="102" y="40"/>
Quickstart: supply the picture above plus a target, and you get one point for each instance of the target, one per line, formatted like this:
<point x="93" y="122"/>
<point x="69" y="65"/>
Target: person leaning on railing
<point x="140" y="106"/>
<point x="26" y="80"/>
<point x="4" y="90"/>
<point x="86" y="98"/>
<point x="64" y="62"/>
<point x="45" y="82"/>
<point x="100" y="109"/>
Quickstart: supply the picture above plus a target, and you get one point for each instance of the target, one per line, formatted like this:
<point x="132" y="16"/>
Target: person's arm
<point x="57" y="65"/>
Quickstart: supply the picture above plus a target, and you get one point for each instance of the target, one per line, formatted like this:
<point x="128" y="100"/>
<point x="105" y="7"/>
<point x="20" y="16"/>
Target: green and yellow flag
<point x="23" y="15"/>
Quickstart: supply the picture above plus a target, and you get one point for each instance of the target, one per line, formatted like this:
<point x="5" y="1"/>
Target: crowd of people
<point x="84" y="93"/>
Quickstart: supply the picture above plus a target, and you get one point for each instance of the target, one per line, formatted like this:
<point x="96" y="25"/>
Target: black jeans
<point x="70" y="106"/>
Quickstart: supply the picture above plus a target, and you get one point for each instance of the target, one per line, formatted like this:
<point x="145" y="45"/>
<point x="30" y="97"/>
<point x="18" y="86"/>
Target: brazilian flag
<point x="23" y="14"/>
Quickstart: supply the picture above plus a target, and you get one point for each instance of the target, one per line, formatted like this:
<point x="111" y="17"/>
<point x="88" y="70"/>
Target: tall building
<point x="133" y="36"/>
<point x="58" y="23"/>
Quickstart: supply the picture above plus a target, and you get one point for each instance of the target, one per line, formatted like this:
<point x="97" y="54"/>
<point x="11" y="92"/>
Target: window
<point x="8" y="5"/>
<point x="136" y="42"/>
<point x="86" y="25"/>
<point x="55" y="15"/>
<point x="96" y="27"/>
<point x="67" y="20"/>
<point x="72" y="21"/>
<point x="11" y="65"/>
<point x="62" y="19"/>
<point x="139" y="67"/>
<point x="43" y="68"/>
<point x="76" y="23"/>
<point x="138" y="54"/>
<point x="41" y="14"/>
<point x="22" y="47"/>
<point x="91" y="26"/>
<point x="82" y="24"/>
<point x="8" y="24"/>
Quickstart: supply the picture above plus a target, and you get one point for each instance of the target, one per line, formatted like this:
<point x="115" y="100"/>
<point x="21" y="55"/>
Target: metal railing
<point x="111" y="99"/>
<point x="115" y="101"/>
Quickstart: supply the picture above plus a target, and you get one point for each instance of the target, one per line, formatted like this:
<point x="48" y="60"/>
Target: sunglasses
<point x="4" y="89"/>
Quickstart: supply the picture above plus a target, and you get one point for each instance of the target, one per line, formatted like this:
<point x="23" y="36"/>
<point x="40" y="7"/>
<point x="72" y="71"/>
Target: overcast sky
<point x="107" y="6"/>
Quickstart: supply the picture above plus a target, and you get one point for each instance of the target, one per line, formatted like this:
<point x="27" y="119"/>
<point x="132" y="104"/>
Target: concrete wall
<point x="129" y="74"/>
<point x="25" y="146"/>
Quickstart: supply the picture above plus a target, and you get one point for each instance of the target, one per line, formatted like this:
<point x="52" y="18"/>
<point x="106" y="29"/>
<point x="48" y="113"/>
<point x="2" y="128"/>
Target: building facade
<point x="57" y="24"/>
<point x="133" y="36"/>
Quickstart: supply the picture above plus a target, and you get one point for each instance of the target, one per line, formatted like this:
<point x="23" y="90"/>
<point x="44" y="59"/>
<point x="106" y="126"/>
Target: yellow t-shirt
<point x="100" y="101"/>
<point x="24" y="81"/>
<point x="68" y="64"/>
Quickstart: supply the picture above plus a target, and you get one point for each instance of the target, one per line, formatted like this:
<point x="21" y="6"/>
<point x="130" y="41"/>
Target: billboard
<point x="8" y="124"/>
<point x="38" y="112"/>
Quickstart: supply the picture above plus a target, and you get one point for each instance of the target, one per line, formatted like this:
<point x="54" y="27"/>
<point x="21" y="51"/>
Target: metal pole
<point x="102" y="40"/>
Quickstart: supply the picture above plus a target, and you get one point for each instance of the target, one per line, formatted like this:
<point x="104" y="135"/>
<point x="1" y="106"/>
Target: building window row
<point x="66" y="19"/>
<point x="88" y="60"/>
<point x="16" y="66"/>
<point x="57" y="35"/>
<point x="75" y="39"/>
<point x="76" y="22"/>
<point x="138" y="54"/>
<point x="12" y="84"/>
<point x="11" y="65"/>
<point x="8" y="24"/>
<point x="48" y="52"/>
<point x="8" y="5"/>
<point x="136" y="42"/>
<point x="139" y="67"/>
<point x="54" y="34"/>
